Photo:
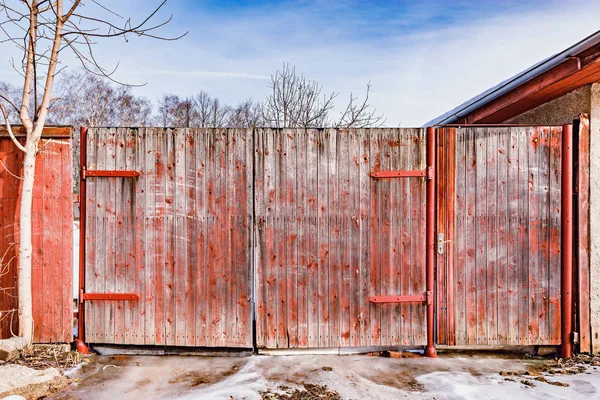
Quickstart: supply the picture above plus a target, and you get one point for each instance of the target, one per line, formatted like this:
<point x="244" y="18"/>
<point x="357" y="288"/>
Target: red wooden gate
<point x="168" y="235"/>
<point x="335" y="233"/>
<point x="499" y="227"/>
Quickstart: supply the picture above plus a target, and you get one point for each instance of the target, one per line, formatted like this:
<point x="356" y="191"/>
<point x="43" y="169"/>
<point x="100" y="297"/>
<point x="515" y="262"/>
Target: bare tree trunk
<point x="25" y="242"/>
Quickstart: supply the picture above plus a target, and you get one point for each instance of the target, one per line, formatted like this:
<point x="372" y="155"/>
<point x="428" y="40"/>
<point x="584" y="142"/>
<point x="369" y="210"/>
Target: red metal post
<point x="81" y="346"/>
<point x="566" y="348"/>
<point x="430" y="239"/>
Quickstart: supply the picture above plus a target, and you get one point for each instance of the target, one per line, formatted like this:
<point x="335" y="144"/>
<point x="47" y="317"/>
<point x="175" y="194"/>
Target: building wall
<point x="595" y="216"/>
<point x="560" y="111"/>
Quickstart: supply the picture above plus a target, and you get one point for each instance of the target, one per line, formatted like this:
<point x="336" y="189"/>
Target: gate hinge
<point x="430" y="172"/>
<point x="429" y="297"/>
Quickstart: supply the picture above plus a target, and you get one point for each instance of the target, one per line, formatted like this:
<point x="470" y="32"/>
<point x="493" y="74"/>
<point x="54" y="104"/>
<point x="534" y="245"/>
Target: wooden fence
<point x="52" y="236"/>
<point x="296" y="224"/>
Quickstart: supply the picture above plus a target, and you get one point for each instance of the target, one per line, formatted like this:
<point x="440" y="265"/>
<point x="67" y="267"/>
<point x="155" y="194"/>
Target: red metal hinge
<point x="110" y="296"/>
<point x="429" y="297"/>
<point x="398" y="174"/>
<point x="104" y="173"/>
<point x="430" y="173"/>
<point x="398" y="299"/>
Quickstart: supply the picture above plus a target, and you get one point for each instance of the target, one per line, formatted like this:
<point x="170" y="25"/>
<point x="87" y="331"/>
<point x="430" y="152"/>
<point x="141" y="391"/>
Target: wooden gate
<point x="168" y="237"/>
<point x="499" y="232"/>
<point x="331" y="236"/>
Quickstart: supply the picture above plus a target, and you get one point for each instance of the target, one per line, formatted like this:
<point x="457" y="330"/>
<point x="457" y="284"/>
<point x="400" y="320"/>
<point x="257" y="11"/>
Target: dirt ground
<point x="459" y="376"/>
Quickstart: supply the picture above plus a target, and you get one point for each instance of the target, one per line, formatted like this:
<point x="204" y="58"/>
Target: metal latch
<point x="440" y="244"/>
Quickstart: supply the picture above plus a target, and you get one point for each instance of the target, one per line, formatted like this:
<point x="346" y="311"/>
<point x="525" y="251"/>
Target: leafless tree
<point x="359" y="115"/>
<point x="295" y="101"/>
<point x="42" y="30"/>
<point x="209" y="112"/>
<point x="247" y="114"/>
<point x="174" y="111"/>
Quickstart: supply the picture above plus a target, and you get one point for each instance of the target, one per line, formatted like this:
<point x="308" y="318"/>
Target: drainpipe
<point x="430" y="240"/>
<point x="566" y="348"/>
<point x="80" y="344"/>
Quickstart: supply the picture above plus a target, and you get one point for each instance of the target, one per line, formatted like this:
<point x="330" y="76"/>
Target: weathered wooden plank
<point x="120" y="236"/>
<point x="312" y="151"/>
<point x="270" y="256"/>
<point x="128" y="202"/>
<point x="491" y="233"/>
<point x="137" y="333"/>
<point x="303" y="226"/>
<point x="199" y="169"/>
<point x="334" y="235"/>
<point x="170" y="242"/>
<point x="544" y="234"/>
<point x="514" y="289"/>
<point x="354" y="162"/>
<point x="342" y="221"/>
<point x="290" y="138"/>
<point x="375" y="240"/>
<point x="281" y="238"/>
<point x="554" y="287"/>
<point x="418" y="208"/>
<point x="471" y="311"/>
<point x="503" y="227"/>
<point x="442" y="201"/>
<point x="364" y="221"/>
<point x="523" y="237"/>
<point x="323" y="289"/>
<point x="147" y="287"/>
<point x="461" y="288"/>
<point x="386" y="211"/>
<point x="583" y="229"/>
<point x="481" y="237"/>
<point x="533" y="151"/>
<point x="159" y="227"/>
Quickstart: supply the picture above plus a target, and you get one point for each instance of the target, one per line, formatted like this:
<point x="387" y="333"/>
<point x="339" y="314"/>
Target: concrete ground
<point x="352" y="376"/>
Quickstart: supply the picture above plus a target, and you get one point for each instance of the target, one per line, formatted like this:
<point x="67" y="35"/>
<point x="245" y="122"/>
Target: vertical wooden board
<point x="259" y="241"/>
<point x="503" y="229"/>
<point x="385" y="236"/>
<point x="583" y="229"/>
<point x="90" y="234"/>
<point x="334" y="236"/>
<point x="323" y="292"/>
<point x="462" y="217"/>
<point x="120" y="235"/>
<point x="543" y="233"/>
<point x="533" y="150"/>
<point x="281" y="239"/>
<point x="375" y="240"/>
<point x="111" y="237"/>
<point x="418" y="232"/>
<point x="191" y="235"/>
<point x="354" y="177"/>
<point x="200" y="229"/>
<point x="130" y="311"/>
<point x="246" y="288"/>
<point x="47" y="262"/>
<point x="523" y="238"/>
<point x="313" y="147"/>
<point x="148" y="307"/>
<point x="136" y="334"/>
<point x="492" y="235"/>
<point x="450" y="238"/>
<point x="342" y="276"/>
<point x="65" y="204"/>
<point x="471" y="236"/>
<point x="442" y="202"/>
<point x="554" y="285"/>
<point x="170" y="236"/>
<point x="364" y="214"/>
<point x="513" y="237"/>
<point x="291" y="220"/>
<point x="101" y="239"/>
<point x="159" y="227"/>
<point x="181" y="284"/>
<point x="481" y="237"/>
<point x="270" y="257"/>
<point x="226" y="281"/>
<point x="303" y="220"/>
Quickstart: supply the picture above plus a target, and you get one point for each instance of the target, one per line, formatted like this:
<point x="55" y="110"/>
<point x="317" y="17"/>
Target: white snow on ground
<point x="13" y="376"/>
<point x="465" y="386"/>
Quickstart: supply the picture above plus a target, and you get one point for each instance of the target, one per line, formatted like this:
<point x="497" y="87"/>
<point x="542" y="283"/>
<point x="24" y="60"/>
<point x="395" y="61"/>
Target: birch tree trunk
<point x="25" y="309"/>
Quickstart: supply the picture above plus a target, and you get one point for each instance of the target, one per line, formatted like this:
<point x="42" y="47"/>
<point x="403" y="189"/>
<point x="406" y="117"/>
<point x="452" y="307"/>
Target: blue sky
<point x="422" y="58"/>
